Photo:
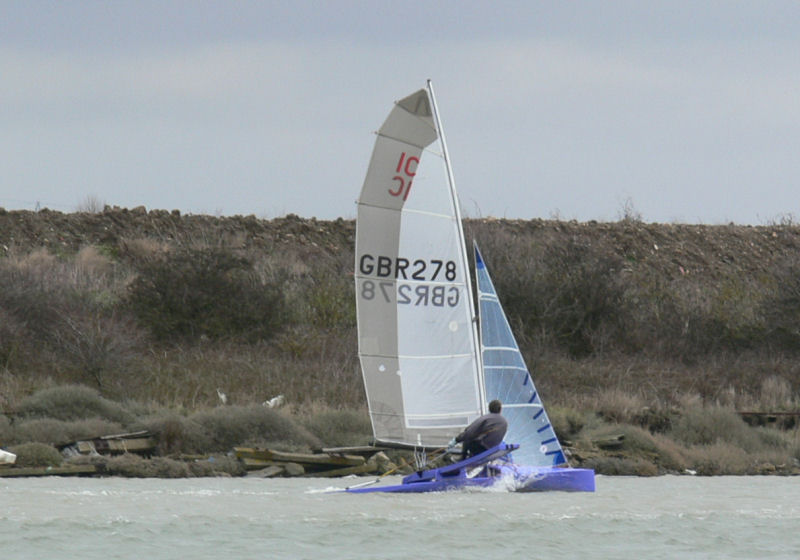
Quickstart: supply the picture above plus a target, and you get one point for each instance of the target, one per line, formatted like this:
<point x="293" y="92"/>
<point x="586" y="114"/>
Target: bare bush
<point x="12" y="340"/>
<point x="99" y="346"/>
<point x="782" y="304"/>
<point x="6" y="430"/>
<point x="568" y="294"/>
<point x="91" y="204"/>
<point x="210" y="293"/>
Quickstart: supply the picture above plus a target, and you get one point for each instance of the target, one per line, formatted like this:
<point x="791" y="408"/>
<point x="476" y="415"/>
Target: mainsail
<point x="507" y="379"/>
<point x="416" y="334"/>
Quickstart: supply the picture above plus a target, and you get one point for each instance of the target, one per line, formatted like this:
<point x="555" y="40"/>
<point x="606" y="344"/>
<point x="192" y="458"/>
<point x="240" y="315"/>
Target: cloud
<point x="536" y="121"/>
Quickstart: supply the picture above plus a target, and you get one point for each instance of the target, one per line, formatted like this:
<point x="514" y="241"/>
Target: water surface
<point x="662" y="517"/>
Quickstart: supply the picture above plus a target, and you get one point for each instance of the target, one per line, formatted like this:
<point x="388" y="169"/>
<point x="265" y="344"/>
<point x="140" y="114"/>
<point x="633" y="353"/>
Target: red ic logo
<point x="408" y="167"/>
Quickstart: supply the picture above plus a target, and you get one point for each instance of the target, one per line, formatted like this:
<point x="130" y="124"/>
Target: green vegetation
<point x="121" y="320"/>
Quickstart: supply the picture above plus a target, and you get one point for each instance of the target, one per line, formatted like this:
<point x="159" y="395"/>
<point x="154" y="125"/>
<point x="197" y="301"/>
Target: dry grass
<point x="52" y="431"/>
<point x="337" y="428"/>
<point x="614" y="405"/>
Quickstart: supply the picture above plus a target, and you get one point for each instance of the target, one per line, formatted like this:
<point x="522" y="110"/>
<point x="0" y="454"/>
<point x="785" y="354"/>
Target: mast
<point x="460" y="228"/>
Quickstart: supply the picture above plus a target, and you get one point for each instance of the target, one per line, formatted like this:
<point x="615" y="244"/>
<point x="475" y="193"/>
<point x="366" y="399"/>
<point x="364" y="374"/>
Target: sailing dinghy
<point x="429" y="360"/>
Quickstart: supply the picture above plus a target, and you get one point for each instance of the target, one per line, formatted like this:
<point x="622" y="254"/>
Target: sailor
<point x="484" y="433"/>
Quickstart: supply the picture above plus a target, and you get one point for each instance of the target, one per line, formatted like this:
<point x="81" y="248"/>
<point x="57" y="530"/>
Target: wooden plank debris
<point x="141" y="442"/>
<point x="67" y="470"/>
<point x="610" y="442"/>
<point x="336" y="462"/>
<point x="324" y="459"/>
<point x="366" y="468"/>
<point x="269" y="472"/>
<point x="363" y="450"/>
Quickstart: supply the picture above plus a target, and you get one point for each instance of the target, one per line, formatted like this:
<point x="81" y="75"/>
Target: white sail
<point x="416" y="336"/>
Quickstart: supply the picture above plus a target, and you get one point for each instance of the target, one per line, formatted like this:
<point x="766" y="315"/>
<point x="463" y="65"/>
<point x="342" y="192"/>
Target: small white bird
<point x="222" y="396"/>
<point x="275" y="402"/>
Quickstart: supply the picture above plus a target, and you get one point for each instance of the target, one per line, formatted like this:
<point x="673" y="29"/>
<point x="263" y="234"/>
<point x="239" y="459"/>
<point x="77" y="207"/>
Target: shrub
<point x="133" y="466"/>
<point x="72" y="402"/>
<point x="329" y="300"/>
<point x="191" y="293"/>
<point x="782" y="303"/>
<point x="620" y="466"/>
<point x="710" y="425"/>
<point x="637" y="442"/>
<point x="720" y="458"/>
<point x="6" y="430"/>
<point x="230" y="426"/>
<point x="100" y="346"/>
<point x="48" y="430"/>
<point x="65" y="306"/>
<point x="338" y="428"/>
<point x="176" y="434"/>
<point x="571" y="293"/>
<point x="568" y="423"/>
<point x="36" y="455"/>
<point x="11" y="337"/>
<point x="31" y="297"/>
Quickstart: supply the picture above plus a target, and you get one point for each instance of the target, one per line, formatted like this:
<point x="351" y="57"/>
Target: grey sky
<point x="684" y="111"/>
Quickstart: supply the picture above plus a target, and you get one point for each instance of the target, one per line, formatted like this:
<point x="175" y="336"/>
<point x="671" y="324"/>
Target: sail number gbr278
<point x="420" y="282"/>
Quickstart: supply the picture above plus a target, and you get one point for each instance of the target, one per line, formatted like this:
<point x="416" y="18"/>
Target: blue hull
<point x="491" y="469"/>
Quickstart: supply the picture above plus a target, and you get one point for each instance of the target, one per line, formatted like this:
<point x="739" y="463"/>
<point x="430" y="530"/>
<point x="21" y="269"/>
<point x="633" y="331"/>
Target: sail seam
<point x="419" y="357"/>
<point x="407" y="210"/>
<point x="400" y="140"/>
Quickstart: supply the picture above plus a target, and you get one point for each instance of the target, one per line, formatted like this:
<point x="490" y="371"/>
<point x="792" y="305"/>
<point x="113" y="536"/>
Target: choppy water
<point x="664" y="517"/>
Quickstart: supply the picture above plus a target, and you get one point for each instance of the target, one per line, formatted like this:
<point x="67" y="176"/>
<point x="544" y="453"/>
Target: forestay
<point x="416" y="336"/>
<point x="507" y="378"/>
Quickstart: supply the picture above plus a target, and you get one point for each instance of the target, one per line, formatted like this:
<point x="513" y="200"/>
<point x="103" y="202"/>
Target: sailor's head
<point x="495" y="406"/>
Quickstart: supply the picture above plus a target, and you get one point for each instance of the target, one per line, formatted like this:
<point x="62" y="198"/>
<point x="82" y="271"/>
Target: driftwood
<point x="610" y="442"/>
<point x="71" y="470"/>
<point x="269" y="472"/>
<point x="142" y="443"/>
<point x="268" y="463"/>
<point x="324" y="459"/>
